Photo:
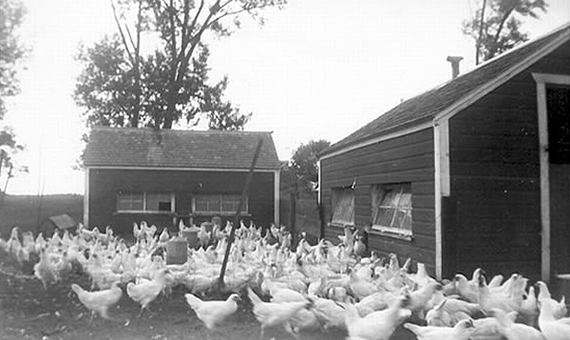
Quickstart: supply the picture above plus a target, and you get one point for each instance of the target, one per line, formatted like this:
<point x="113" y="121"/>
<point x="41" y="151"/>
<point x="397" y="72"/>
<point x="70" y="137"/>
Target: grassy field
<point x="29" y="212"/>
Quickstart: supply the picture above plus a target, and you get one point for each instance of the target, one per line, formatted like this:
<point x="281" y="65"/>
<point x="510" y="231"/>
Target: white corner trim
<point x="276" y="187"/>
<point x="319" y="183"/>
<point x="541" y="80"/>
<point x="86" y="199"/>
<point x="442" y="186"/>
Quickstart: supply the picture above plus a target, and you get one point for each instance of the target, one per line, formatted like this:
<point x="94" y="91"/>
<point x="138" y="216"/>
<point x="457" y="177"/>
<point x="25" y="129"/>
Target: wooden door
<point x="558" y="114"/>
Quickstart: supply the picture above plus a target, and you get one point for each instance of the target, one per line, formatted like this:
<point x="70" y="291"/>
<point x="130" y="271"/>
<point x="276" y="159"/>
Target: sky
<point x="317" y="69"/>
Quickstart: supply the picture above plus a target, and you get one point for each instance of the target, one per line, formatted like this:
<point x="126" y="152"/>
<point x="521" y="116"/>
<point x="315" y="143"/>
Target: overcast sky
<point x="319" y="69"/>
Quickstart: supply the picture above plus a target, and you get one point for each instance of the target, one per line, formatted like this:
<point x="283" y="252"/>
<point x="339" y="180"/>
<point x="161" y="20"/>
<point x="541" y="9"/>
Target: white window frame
<point x="335" y="200"/>
<point x="145" y="196"/>
<point x="397" y="206"/>
<point x="195" y="211"/>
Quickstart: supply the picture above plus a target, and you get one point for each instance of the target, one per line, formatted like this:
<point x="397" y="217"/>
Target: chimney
<point x="454" y="65"/>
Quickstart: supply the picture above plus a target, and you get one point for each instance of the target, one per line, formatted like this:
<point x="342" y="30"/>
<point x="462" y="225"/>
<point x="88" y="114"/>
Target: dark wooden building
<point x="474" y="173"/>
<point x="164" y="176"/>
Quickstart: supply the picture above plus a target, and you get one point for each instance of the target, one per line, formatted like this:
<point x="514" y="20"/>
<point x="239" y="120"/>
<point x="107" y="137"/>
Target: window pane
<point x="218" y="203"/>
<point x="385" y="216"/>
<point x="389" y="198"/>
<point x="343" y="201"/>
<point x="129" y="202"/>
<point x="158" y="202"/>
<point x="394" y="206"/>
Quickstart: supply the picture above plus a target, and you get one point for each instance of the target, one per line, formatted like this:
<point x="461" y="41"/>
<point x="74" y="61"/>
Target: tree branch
<point x="117" y="21"/>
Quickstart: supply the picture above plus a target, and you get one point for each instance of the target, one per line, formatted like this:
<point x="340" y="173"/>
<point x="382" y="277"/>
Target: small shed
<point x="167" y="176"/>
<point x="473" y="173"/>
<point x="59" y="222"/>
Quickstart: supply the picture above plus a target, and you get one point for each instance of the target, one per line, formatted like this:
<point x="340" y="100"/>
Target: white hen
<point x="270" y="314"/>
<point x="552" y="328"/>
<point x="211" y="313"/>
<point x="379" y="325"/>
<point x="461" y="331"/>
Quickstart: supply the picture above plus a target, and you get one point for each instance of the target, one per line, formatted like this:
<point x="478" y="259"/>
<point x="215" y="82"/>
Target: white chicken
<point x="514" y="331"/>
<point x="212" y="313"/>
<point x="379" y="325"/>
<point x="461" y="331"/>
<point x="271" y="314"/>
<point x="98" y="301"/>
<point x="559" y="309"/>
<point x="146" y="291"/>
<point x="550" y="326"/>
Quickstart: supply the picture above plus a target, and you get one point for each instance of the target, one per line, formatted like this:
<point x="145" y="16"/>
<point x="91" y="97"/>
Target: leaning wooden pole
<point x="238" y="212"/>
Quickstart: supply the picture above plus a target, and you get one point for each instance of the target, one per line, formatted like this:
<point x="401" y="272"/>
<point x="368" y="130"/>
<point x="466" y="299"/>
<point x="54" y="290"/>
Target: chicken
<point x="551" y="327"/>
<point x="514" y="331"/>
<point x="461" y="331"/>
<point x="146" y="291"/>
<point x="271" y="314"/>
<point x="329" y="313"/>
<point x="44" y="270"/>
<point x="419" y="299"/>
<point x="443" y="316"/>
<point x="211" y="313"/>
<point x="466" y="289"/>
<point x="379" y="325"/>
<point x="559" y="309"/>
<point x="98" y="301"/>
<point x="489" y="300"/>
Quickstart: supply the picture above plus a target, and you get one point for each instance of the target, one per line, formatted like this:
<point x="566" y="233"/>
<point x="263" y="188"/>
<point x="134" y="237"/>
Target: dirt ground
<point x="28" y="311"/>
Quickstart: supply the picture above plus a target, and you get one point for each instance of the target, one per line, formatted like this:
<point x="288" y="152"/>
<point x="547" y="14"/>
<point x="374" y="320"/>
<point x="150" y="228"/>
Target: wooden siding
<point x="105" y="183"/>
<point x="495" y="176"/>
<point x="403" y="159"/>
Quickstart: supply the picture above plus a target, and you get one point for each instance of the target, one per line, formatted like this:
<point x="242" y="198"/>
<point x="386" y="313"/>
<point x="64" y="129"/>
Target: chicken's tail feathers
<point x="76" y="288"/>
<point x="193" y="300"/>
<point x="253" y="297"/>
<point x="413" y="328"/>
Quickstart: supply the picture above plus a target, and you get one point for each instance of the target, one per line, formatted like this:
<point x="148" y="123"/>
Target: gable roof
<point x="132" y="147"/>
<point x="63" y="221"/>
<point x="426" y="106"/>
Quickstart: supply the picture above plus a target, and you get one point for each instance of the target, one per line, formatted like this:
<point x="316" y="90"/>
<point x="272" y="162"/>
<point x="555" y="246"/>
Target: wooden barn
<point x="473" y="173"/>
<point x="164" y="176"/>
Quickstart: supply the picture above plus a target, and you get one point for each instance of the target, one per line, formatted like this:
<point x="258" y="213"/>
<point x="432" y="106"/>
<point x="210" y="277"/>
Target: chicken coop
<point x="167" y="176"/>
<point x="473" y="173"/>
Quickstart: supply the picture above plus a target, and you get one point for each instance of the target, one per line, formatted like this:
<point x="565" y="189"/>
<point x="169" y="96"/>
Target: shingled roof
<point x="424" y="107"/>
<point x="130" y="147"/>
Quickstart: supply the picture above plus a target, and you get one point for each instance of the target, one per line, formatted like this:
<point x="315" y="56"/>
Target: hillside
<point x="29" y="212"/>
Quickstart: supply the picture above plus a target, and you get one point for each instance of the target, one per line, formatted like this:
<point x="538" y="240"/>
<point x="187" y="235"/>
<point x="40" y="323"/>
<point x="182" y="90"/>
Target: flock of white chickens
<point x="314" y="287"/>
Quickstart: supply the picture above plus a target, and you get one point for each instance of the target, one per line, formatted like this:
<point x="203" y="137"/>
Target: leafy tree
<point x="304" y="164"/>
<point x="12" y="52"/>
<point x="496" y="26"/>
<point x="122" y="86"/>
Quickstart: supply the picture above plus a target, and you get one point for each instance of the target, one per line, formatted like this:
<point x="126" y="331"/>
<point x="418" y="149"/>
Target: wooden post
<point x="238" y="212"/>
<point x="293" y="217"/>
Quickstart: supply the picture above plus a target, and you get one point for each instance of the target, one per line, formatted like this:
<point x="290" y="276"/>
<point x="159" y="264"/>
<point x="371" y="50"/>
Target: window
<point x="145" y="202"/>
<point x="218" y="203"/>
<point x="392" y="208"/>
<point x="343" y="206"/>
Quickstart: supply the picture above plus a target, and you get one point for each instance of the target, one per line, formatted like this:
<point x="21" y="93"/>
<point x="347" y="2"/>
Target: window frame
<point x="196" y="212"/>
<point x="145" y="199"/>
<point x="377" y="197"/>
<point x="335" y="199"/>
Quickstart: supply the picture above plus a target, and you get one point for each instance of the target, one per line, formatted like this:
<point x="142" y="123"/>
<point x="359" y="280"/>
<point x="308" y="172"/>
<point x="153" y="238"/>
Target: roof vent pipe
<point x="454" y="65"/>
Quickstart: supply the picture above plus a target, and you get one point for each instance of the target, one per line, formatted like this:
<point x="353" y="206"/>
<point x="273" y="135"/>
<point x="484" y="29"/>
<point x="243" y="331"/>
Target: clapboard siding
<point x="104" y="184"/>
<point x="495" y="175"/>
<point x="398" y="160"/>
